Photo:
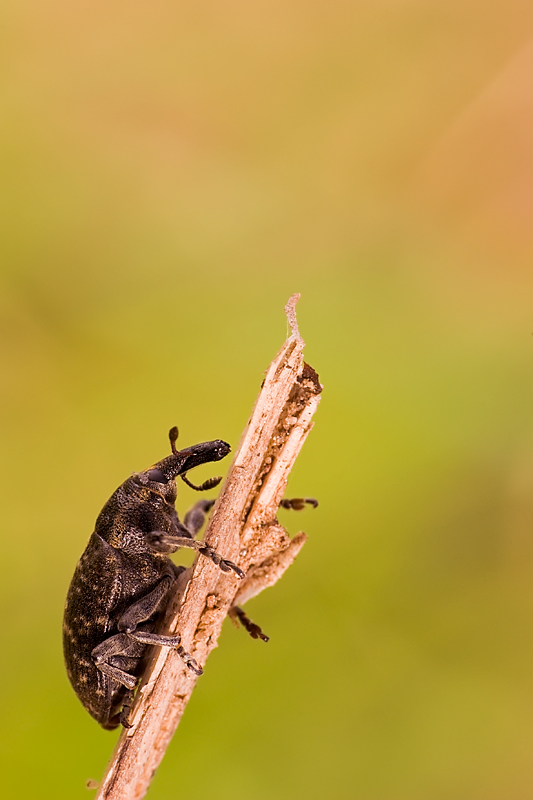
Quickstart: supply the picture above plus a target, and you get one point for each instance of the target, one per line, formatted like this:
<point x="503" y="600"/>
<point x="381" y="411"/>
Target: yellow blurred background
<point x="171" y="173"/>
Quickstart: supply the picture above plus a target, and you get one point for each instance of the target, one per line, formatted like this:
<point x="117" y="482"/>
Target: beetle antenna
<point x="173" y="436"/>
<point x="210" y="483"/>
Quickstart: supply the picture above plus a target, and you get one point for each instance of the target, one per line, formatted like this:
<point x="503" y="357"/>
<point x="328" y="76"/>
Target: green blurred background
<point x="171" y="173"/>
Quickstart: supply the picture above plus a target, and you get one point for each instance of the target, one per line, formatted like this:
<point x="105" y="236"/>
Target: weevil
<point x="117" y="596"/>
<point x="121" y="584"/>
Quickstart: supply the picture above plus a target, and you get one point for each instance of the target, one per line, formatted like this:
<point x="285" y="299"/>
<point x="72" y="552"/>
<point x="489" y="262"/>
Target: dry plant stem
<point x="244" y="528"/>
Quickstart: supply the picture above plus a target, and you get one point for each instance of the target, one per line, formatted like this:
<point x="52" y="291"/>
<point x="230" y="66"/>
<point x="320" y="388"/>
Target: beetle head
<point x="181" y="461"/>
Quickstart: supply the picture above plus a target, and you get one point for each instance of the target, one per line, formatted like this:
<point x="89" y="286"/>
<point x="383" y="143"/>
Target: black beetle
<point x="119" y="590"/>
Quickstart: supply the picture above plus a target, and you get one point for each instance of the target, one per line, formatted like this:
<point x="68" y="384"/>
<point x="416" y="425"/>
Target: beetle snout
<point x="221" y="450"/>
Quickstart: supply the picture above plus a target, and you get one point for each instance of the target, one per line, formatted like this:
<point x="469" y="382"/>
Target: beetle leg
<point x="114" y="646"/>
<point x="236" y="613"/>
<point x="126" y="708"/>
<point x="143" y="609"/>
<point x="195" y="516"/>
<point x="164" y="542"/>
<point x="145" y="637"/>
<point x="298" y="503"/>
<point x="121" y="643"/>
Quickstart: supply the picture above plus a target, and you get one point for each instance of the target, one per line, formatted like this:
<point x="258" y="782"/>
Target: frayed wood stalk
<point x="244" y="528"/>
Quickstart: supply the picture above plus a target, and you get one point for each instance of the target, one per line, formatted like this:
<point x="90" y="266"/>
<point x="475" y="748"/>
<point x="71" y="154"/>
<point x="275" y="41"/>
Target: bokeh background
<point x="171" y="173"/>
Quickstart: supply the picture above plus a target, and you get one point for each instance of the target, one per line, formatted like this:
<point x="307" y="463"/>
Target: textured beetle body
<point x="122" y="582"/>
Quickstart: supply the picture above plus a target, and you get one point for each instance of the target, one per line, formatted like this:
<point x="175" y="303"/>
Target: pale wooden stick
<point x="243" y="528"/>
